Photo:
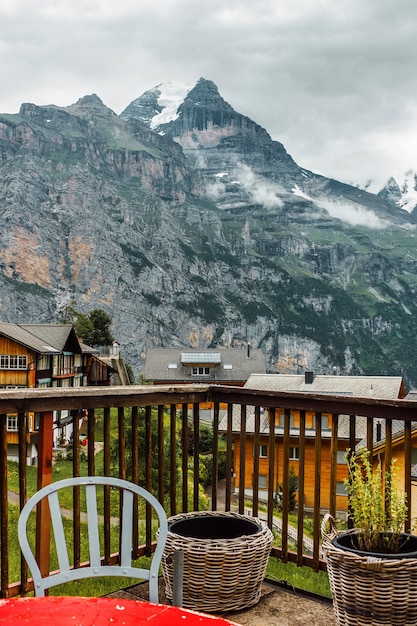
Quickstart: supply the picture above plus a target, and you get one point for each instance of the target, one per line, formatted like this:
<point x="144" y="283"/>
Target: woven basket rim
<point x="329" y="548"/>
<point x="263" y="532"/>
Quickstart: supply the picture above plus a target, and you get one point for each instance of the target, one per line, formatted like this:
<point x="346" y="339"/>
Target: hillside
<point x="195" y="228"/>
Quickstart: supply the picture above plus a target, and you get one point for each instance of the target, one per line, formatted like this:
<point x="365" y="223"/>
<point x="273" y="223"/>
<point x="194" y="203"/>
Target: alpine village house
<point x="45" y="355"/>
<point x="384" y="387"/>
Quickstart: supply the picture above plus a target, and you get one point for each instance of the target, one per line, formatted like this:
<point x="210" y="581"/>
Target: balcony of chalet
<point x="153" y="435"/>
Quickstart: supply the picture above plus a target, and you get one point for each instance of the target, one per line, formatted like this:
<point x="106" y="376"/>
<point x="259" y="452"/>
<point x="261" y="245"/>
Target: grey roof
<point x="85" y="349"/>
<point x="41" y="338"/>
<point x="383" y="387"/>
<point x="229" y="364"/>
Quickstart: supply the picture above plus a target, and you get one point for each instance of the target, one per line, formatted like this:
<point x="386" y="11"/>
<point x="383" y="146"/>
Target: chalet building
<point x="398" y="453"/>
<point x="225" y="366"/>
<point x="384" y="387"/>
<point x="45" y="355"/>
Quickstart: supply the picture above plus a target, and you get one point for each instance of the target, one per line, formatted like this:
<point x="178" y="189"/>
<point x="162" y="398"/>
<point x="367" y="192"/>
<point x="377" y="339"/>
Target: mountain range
<point x="192" y="227"/>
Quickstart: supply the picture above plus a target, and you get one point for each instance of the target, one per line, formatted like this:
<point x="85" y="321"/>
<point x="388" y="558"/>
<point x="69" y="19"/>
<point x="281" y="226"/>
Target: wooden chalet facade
<point x="44" y="355"/>
<point x="384" y="387"/>
<point x="398" y="453"/>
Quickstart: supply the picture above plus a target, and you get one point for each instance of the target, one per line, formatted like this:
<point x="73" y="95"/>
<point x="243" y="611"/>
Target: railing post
<point x="4" y="539"/>
<point x="215" y="456"/>
<point x="76" y="523"/>
<point x="173" y="459"/>
<point x="333" y="464"/>
<point x="317" y="490"/>
<point x="272" y="479"/>
<point x="22" y="426"/>
<point x="242" y="459"/>
<point x="196" y="460"/>
<point x="43" y="521"/>
<point x="256" y="452"/>
<point x="229" y="458"/>
<point x="184" y="457"/>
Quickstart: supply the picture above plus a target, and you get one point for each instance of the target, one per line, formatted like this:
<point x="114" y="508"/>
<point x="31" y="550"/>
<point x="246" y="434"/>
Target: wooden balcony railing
<point x="153" y="434"/>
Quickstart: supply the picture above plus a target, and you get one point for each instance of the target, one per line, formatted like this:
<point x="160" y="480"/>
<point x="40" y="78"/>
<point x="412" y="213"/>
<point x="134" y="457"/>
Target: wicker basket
<point x="222" y="572"/>
<point x="369" y="591"/>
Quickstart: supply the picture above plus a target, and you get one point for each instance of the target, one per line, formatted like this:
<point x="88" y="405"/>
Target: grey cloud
<point x="335" y="82"/>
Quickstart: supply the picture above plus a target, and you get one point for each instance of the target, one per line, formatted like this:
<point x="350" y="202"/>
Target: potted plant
<point x="373" y="567"/>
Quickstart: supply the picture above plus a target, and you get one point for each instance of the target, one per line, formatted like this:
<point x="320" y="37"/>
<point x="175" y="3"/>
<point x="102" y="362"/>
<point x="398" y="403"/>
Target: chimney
<point x="308" y="377"/>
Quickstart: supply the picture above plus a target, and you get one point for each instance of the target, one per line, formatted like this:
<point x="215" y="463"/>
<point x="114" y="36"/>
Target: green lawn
<point x="299" y="577"/>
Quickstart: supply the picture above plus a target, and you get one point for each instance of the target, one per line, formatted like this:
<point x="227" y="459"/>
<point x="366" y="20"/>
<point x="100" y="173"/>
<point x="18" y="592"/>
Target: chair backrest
<point x="66" y="573"/>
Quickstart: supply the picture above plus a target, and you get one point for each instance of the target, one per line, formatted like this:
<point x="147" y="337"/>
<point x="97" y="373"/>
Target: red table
<point x="73" y="611"/>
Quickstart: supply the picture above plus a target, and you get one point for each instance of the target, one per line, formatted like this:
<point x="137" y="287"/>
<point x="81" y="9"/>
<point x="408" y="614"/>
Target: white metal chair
<point x="95" y="568"/>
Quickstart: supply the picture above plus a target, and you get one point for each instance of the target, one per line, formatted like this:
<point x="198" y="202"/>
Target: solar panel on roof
<point x="200" y="357"/>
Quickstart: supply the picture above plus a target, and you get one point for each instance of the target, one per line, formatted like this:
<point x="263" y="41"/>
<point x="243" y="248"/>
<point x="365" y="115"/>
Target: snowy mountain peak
<point x="402" y="192"/>
<point x="169" y="97"/>
<point x="158" y="105"/>
<point x="165" y="103"/>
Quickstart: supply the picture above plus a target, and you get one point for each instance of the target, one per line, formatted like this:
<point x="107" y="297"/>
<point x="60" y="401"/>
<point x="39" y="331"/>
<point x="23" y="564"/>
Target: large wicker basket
<point x="369" y="591"/>
<point x="221" y="571"/>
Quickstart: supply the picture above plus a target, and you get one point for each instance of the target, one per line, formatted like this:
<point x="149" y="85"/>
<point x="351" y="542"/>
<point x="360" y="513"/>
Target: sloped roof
<point x="85" y="349"/>
<point x="42" y="338"/>
<point x="230" y="364"/>
<point x="382" y="387"/>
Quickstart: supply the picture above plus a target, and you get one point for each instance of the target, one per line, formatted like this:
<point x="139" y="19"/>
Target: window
<point x="12" y="423"/>
<point x="341" y="489"/>
<point x="63" y="364"/>
<point x="13" y="362"/>
<point x="282" y="418"/>
<point x="200" y="371"/>
<point x="341" y="457"/>
<point x="324" y="422"/>
<point x="13" y="387"/>
<point x="262" y="484"/>
<point x="263" y="451"/>
<point x="44" y="362"/>
<point x="294" y="454"/>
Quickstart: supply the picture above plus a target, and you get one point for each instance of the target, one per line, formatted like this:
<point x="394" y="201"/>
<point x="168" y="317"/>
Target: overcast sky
<point x="335" y="82"/>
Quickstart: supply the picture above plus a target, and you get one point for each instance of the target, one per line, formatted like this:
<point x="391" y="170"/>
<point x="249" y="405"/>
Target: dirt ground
<point x="277" y="607"/>
<point x="281" y="607"/>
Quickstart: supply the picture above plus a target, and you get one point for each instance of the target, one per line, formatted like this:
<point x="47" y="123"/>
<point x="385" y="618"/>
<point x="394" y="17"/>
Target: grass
<point x="298" y="577"/>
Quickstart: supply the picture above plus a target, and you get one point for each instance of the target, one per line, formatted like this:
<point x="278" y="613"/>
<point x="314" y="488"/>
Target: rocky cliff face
<point x="191" y="227"/>
<point x="402" y="193"/>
